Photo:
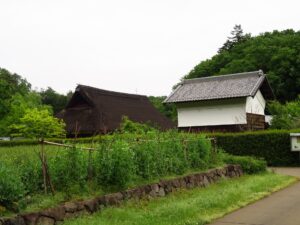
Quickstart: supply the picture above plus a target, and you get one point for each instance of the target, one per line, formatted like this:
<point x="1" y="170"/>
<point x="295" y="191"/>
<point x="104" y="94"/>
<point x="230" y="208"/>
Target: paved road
<point x="281" y="208"/>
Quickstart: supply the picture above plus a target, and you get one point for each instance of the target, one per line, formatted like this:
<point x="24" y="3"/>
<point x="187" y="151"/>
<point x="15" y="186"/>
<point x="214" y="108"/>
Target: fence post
<point x="42" y="157"/>
<point x="214" y="148"/>
<point x="45" y="170"/>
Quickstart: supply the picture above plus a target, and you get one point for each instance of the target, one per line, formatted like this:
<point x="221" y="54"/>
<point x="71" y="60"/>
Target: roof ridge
<point x="257" y="85"/>
<point x="109" y="92"/>
<point x="220" y="87"/>
<point x="258" y="72"/>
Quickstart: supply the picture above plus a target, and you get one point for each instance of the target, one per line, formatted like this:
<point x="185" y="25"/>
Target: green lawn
<point x="196" y="206"/>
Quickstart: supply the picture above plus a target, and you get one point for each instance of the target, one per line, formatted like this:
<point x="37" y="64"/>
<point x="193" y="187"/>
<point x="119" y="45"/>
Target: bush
<point x="31" y="175"/>
<point x="115" y="164"/>
<point x="119" y="160"/>
<point x="249" y="164"/>
<point x="285" y="116"/>
<point x="128" y="126"/>
<point x="69" y="168"/>
<point x="272" y="145"/>
<point x="171" y="153"/>
<point x="11" y="186"/>
<point x="199" y="152"/>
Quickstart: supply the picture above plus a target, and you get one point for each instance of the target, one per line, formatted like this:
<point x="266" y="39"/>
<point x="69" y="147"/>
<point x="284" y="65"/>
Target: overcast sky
<point x="133" y="46"/>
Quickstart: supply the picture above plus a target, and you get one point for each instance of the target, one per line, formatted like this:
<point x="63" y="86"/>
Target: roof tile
<point x="218" y="87"/>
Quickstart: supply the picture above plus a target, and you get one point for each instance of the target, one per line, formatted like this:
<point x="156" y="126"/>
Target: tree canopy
<point x="54" y="99"/>
<point x="18" y="102"/>
<point x="169" y="110"/>
<point x="277" y="53"/>
<point x="10" y="85"/>
<point x="39" y="124"/>
<point x="285" y="116"/>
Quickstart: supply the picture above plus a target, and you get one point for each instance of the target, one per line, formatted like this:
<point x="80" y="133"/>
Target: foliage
<point x="236" y="38"/>
<point x="128" y="126"/>
<point x="277" y="53"/>
<point x="118" y="161"/>
<point x="11" y="186"/>
<point x="55" y="100"/>
<point x="69" y="168"/>
<point x="249" y="164"/>
<point x="18" y="106"/>
<point x="10" y="84"/>
<point x="115" y="164"/>
<point x="285" y="116"/>
<point x="16" y="97"/>
<point x="272" y="145"/>
<point x="39" y="124"/>
<point x="169" y="110"/>
<point x="196" y="206"/>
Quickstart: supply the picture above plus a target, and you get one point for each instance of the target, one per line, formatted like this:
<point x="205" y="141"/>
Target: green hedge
<point x="272" y="145"/>
<point x="250" y="165"/>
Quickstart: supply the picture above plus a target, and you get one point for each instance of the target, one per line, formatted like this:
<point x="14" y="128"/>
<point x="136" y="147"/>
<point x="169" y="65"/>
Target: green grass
<point x="21" y="155"/>
<point x="17" y="154"/>
<point x="196" y="206"/>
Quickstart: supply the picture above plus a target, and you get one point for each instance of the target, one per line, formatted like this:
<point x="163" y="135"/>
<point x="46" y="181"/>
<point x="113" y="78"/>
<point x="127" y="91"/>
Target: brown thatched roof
<point x="93" y="111"/>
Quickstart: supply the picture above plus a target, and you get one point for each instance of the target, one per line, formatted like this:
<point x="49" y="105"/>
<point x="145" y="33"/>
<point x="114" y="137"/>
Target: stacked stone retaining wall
<point x="67" y="210"/>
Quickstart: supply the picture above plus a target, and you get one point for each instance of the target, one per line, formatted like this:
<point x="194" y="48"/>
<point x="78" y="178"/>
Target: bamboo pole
<point x="42" y="157"/>
<point x="67" y="146"/>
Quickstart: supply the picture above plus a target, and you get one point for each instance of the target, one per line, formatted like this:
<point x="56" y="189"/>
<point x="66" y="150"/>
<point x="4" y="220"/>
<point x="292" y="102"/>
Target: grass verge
<point x="197" y="206"/>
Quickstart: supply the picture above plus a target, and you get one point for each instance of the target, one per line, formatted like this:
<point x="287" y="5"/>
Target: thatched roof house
<point x="94" y="111"/>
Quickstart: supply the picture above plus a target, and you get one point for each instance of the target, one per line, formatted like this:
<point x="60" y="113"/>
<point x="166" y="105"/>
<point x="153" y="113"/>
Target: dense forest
<point x="277" y="53"/>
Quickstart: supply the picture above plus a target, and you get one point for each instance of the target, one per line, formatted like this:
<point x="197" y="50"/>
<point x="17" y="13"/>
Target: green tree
<point x="54" y="99"/>
<point x="10" y="84"/>
<point x="128" y="126"/>
<point x="17" y="108"/>
<point x="169" y="110"/>
<point x="39" y="124"/>
<point x="238" y="36"/>
<point x="277" y="53"/>
<point x="285" y="116"/>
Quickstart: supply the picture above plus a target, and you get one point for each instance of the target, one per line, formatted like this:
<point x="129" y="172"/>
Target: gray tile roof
<point x="220" y="87"/>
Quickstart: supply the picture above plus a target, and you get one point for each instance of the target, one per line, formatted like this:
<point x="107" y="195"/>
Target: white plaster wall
<point x="256" y="105"/>
<point x="221" y="112"/>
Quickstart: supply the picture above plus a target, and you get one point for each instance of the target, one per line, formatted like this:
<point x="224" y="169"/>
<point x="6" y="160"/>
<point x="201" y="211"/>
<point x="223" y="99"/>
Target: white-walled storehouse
<point x="231" y="102"/>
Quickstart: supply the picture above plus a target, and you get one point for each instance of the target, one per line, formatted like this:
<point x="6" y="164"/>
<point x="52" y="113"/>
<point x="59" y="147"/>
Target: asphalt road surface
<point x="280" y="208"/>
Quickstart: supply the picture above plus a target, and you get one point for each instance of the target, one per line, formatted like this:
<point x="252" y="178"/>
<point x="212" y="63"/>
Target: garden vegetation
<point x="119" y="161"/>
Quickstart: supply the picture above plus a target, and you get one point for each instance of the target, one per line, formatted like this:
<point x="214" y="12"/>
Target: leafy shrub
<point x="171" y="153"/>
<point x="31" y="175"/>
<point x="249" y="164"/>
<point x="11" y="187"/>
<point x="119" y="159"/>
<point x="285" y="116"/>
<point x="272" y="145"/>
<point x="115" y="164"/>
<point x="199" y="152"/>
<point x="133" y="127"/>
<point x="68" y="168"/>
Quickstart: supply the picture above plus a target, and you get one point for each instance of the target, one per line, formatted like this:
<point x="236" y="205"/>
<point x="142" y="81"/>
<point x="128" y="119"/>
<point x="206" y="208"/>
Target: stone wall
<point x="72" y="209"/>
